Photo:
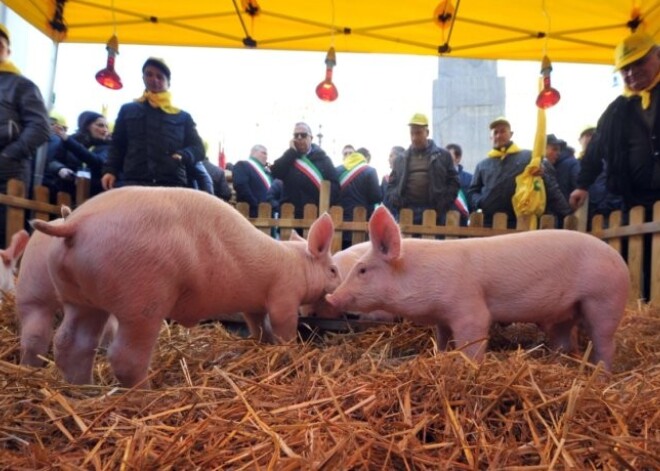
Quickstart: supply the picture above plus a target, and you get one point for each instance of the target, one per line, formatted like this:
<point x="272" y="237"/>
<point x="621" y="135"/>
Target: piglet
<point x="554" y="278"/>
<point x="10" y="257"/>
<point x="345" y="259"/>
<point x="149" y="254"/>
<point x="37" y="302"/>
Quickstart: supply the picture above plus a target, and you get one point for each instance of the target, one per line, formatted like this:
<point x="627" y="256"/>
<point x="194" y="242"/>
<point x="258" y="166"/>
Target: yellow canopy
<point x="577" y="30"/>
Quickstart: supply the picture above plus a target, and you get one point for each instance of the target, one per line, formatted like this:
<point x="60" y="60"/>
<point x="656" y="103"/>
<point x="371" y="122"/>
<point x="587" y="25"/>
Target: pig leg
<point x="442" y="336"/>
<point x="259" y="326"/>
<point x="604" y="346"/>
<point x="109" y="331"/>
<point x="131" y="349"/>
<point x="562" y="336"/>
<point x="76" y="340"/>
<point x="284" y="323"/>
<point x="470" y="328"/>
<point x="36" y="332"/>
<point x="601" y="325"/>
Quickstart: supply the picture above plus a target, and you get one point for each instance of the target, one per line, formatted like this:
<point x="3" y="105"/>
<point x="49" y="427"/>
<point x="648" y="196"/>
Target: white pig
<point x="554" y="278"/>
<point x="345" y="259"/>
<point x="148" y="254"/>
<point x="10" y="257"/>
<point x="37" y="302"/>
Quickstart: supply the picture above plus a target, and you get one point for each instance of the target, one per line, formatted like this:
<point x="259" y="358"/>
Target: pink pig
<point x="345" y="259"/>
<point x="10" y="257"/>
<point x="37" y="301"/>
<point x="149" y="254"/>
<point x="554" y="278"/>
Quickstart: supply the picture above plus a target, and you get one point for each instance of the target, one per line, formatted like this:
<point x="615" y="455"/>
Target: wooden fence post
<point x="635" y="253"/>
<point x="82" y="190"/>
<point x="655" y="260"/>
<point x="15" y="216"/>
<point x="582" y="215"/>
<point x="324" y="196"/>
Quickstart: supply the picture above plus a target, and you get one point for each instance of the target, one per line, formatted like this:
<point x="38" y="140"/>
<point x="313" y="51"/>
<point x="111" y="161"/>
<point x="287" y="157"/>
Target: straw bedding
<point x="383" y="398"/>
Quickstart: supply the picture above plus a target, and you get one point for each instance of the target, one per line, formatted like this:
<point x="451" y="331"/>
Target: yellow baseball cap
<point x="588" y="129"/>
<point x="4" y="32"/>
<point x="57" y="118"/>
<point x="419" y="119"/>
<point x="498" y="121"/>
<point x="632" y="48"/>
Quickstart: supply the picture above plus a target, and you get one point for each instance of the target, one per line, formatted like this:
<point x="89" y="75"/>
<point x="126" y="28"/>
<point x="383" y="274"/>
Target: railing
<point x="627" y="239"/>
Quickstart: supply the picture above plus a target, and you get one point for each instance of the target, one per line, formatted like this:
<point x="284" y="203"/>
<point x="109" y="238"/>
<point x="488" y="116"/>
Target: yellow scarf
<point x="645" y="94"/>
<point x="9" y="66"/>
<point x="353" y="160"/>
<point x="161" y="100"/>
<point x="504" y="151"/>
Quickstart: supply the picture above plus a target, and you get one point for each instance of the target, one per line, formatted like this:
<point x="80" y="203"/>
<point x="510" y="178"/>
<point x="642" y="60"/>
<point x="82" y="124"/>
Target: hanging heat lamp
<point x="548" y="96"/>
<point x="326" y="90"/>
<point x="108" y="77"/>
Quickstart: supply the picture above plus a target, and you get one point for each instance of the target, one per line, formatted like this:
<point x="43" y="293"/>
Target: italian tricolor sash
<point x="349" y="175"/>
<point x="261" y="171"/>
<point x="310" y="170"/>
<point x="461" y="203"/>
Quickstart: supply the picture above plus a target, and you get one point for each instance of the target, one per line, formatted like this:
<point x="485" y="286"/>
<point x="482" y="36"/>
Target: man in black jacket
<point x="627" y="139"/>
<point x="24" y="124"/>
<point x="424" y="177"/>
<point x="302" y="168"/>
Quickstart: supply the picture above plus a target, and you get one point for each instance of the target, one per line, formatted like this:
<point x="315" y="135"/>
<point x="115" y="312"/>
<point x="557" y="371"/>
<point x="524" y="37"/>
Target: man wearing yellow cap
<point x="424" y="177"/>
<point x="494" y="181"/>
<point x="24" y="124"/>
<point x="627" y="138"/>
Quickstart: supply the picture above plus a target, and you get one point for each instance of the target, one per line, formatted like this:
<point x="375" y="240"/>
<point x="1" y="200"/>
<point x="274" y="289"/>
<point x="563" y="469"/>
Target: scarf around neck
<point x="162" y="100"/>
<point x="353" y="160"/>
<point x="501" y="152"/>
<point x="645" y="94"/>
<point x="8" y="66"/>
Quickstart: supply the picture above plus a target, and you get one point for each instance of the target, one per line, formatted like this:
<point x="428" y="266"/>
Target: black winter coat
<point x="143" y="141"/>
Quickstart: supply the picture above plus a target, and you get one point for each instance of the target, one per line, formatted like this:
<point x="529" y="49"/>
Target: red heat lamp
<point x="548" y="96"/>
<point x="108" y="77"/>
<point x="326" y="90"/>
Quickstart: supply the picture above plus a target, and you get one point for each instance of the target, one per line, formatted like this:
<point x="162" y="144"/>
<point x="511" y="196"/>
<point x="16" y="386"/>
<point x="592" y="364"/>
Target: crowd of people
<point x="154" y="143"/>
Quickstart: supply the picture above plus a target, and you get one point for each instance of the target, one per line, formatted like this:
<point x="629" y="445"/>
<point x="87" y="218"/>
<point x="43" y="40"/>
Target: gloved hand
<point x="66" y="174"/>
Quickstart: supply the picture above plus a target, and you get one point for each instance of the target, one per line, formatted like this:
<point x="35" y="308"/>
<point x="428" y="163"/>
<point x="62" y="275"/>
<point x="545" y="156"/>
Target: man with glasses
<point x="627" y="138"/>
<point x="302" y="168"/>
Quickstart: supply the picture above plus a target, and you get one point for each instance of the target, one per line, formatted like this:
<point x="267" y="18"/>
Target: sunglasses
<point x="300" y="135"/>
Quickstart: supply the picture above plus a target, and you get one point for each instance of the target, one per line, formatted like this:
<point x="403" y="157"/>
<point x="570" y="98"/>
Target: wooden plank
<point x="15" y="216"/>
<point x="655" y="260"/>
<point x="636" y="254"/>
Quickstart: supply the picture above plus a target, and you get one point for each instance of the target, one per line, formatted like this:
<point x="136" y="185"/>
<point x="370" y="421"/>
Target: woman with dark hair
<point x="82" y="154"/>
<point x="154" y="143"/>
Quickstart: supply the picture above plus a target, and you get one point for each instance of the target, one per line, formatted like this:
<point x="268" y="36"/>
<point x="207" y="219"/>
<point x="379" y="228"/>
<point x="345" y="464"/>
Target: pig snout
<point x="339" y="299"/>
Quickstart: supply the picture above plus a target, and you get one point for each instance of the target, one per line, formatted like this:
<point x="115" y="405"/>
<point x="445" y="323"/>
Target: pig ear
<point x="385" y="234"/>
<point x="17" y="246"/>
<point x="65" y="211"/>
<point x="320" y="235"/>
<point x="296" y="237"/>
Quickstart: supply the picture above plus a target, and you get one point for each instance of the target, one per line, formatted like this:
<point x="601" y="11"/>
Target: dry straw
<point x="379" y="399"/>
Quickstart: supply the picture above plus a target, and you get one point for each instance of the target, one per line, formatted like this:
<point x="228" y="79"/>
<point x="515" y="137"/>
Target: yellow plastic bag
<point x="529" y="198"/>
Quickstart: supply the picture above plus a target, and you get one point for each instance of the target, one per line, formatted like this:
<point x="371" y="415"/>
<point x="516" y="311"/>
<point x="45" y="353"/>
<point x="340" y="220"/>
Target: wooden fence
<point x="628" y="239"/>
